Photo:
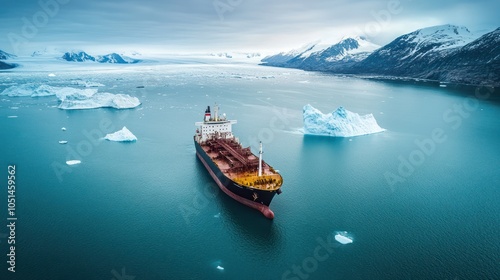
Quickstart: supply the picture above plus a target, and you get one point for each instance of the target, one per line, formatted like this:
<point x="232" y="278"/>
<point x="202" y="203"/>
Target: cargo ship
<point x="238" y="172"/>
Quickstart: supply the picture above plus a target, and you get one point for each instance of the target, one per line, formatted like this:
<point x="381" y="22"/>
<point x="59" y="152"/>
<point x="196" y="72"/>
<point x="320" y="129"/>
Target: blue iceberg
<point x="339" y="123"/>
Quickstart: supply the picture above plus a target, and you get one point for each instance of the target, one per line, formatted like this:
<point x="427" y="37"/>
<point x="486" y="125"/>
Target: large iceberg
<point x="123" y="135"/>
<point x="74" y="98"/>
<point x="339" y="123"/>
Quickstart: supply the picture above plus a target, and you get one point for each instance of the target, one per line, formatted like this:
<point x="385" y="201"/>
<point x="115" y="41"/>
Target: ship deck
<point x="241" y="166"/>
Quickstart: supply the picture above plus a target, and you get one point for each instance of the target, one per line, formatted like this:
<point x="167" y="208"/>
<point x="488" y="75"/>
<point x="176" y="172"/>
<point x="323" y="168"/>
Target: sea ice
<point x="74" y="98"/>
<point x="63" y="142"/>
<point x="52" y="75"/>
<point x="220" y="267"/>
<point x="87" y="83"/>
<point x="73" y="162"/>
<point x="339" y="123"/>
<point x="123" y="135"/>
<point x="342" y="238"/>
<point x="11" y="117"/>
<point x="63" y="128"/>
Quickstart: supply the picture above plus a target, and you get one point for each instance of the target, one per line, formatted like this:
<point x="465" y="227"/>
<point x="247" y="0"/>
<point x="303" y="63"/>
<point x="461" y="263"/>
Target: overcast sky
<point x="224" y="25"/>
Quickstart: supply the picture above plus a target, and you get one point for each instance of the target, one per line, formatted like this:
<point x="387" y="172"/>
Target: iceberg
<point x="339" y="123"/>
<point x="342" y="238"/>
<point x="74" y="98"/>
<point x="63" y="142"/>
<point x="73" y="162"/>
<point x="123" y="135"/>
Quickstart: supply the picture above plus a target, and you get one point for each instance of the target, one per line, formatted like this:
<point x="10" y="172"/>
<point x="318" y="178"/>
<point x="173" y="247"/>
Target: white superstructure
<point x="214" y="127"/>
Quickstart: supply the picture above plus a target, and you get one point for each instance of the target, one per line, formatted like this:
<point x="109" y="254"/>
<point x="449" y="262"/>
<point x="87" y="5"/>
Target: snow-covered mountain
<point x="78" y="56"/>
<point x="116" y="58"/>
<point x="81" y="56"/>
<point x="318" y="56"/>
<point x="445" y="53"/>
<point x="477" y="62"/>
<point x="415" y="52"/>
<point x="5" y="56"/>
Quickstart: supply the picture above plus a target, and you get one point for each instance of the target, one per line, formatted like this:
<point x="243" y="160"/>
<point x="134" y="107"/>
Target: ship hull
<point x="254" y="198"/>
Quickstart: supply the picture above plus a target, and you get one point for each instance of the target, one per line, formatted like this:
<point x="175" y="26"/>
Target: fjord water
<point x="150" y="210"/>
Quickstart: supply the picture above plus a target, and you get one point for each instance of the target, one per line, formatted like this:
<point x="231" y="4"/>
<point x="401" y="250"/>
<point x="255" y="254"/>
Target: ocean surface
<point x="420" y="200"/>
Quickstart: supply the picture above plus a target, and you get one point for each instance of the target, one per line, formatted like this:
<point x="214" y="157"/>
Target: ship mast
<point x="216" y="109"/>
<point x="260" y="159"/>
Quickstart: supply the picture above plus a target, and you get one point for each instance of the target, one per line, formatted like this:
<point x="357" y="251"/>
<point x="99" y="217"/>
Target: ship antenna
<point x="260" y="159"/>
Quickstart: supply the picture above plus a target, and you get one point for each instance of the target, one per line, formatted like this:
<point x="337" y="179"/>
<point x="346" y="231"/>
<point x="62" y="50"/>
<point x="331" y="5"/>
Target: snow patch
<point x="123" y="135"/>
<point x="340" y="123"/>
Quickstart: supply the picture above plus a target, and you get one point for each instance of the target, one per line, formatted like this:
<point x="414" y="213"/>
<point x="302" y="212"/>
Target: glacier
<point x="123" y="135"/>
<point x="74" y="98"/>
<point x="339" y="123"/>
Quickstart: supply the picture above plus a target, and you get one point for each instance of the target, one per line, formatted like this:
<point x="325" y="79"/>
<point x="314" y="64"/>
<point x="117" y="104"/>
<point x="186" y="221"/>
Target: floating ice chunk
<point x="217" y="215"/>
<point x="63" y="128"/>
<point x="123" y="135"/>
<point x="74" y="98"/>
<point x="52" y="75"/>
<point x="342" y="238"/>
<point x="11" y="117"/>
<point x="99" y="100"/>
<point x="63" y="142"/>
<point x="340" y="123"/>
<point x="87" y="83"/>
<point x="220" y="267"/>
<point x="73" y="162"/>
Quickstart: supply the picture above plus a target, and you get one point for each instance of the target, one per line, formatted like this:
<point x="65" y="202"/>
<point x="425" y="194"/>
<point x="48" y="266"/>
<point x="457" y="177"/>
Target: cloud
<point x="211" y="25"/>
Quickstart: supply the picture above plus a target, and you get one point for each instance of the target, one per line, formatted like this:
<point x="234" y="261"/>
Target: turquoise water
<point x="150" y="210"/>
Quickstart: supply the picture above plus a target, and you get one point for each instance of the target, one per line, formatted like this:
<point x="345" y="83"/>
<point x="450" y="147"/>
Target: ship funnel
<point x="260" y="159"/>
<point x="207" y="114"/>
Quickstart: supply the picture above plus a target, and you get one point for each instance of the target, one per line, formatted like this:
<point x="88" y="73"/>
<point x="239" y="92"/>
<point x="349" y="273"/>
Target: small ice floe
<point x="14" y="108"/>
<point x="52" y="75"/>
<point x="73" y="162"/>
<point x="220" y="267"/>
<point x="442" y="85"/>
<point x="342" y="237"/>
<point x="63" y="142"/>
<point x="123" y="135"/>
<point x="11" y="117"/>
<point x="63" y="128"/>
<point x="217" y="215"/>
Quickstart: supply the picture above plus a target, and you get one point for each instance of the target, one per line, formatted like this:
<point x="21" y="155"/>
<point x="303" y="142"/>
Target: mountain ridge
<point x="429" y="53"/>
